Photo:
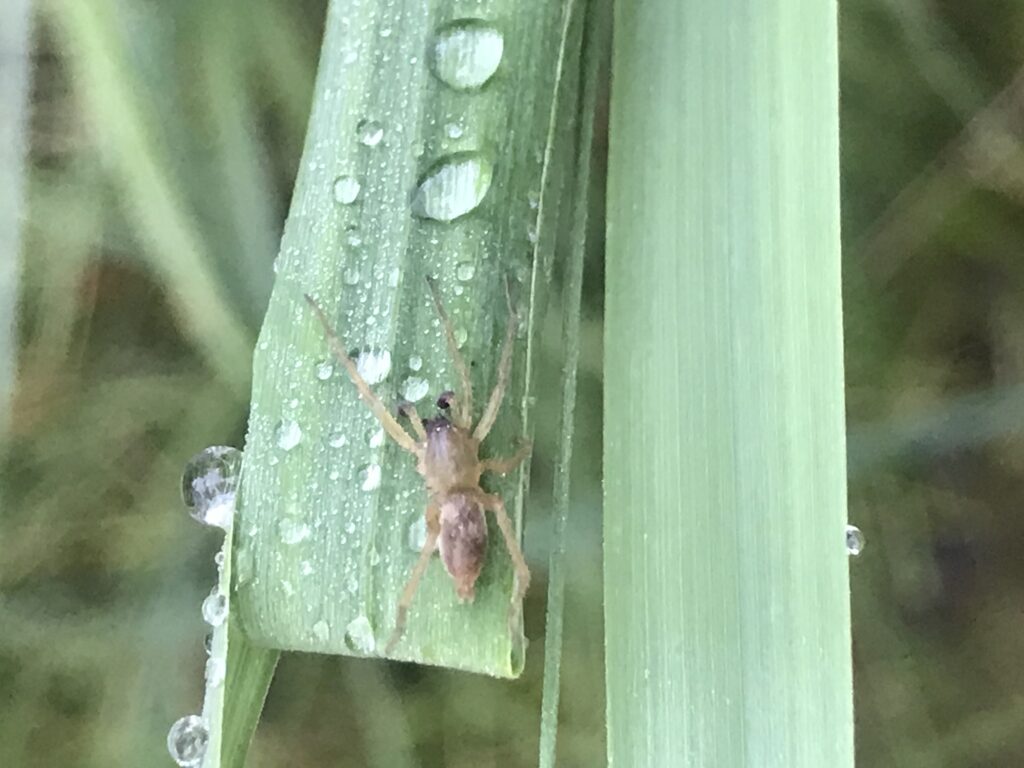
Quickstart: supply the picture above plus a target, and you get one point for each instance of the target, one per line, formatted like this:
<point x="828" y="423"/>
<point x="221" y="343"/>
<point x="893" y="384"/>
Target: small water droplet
<point x="337" y="440"/>
<point x="324" y="370"/>
<point x="370" y="132"/>
<point x="393" y="276"/>
<point x="346" y="189"/>
<point x="350" y="276"/>
<point x="453" y="187"/>
<point x="322" y="631"/>
<point x="415" y="363"/>
<point x="292" y="531"/>
<point x="208" y="485"/>
<point x="215" y="608"/>
<point x="218" y="559"/>
<point x="531" y="234"/>
<point x="453" y="130"/>
<point x="350" y="57"/>
<point x="385" y="32"/>
<point x="369" y="477"/>
<point x="243" y="569"/>
<point x="374" y="365"/>
<point x="376" y="438"/>
<point x="208" y="643"/>
<point x="465" y="271"/>
<point x="306" y="568"/>
<point x="353" y="238"/>
<point x="533" y="198"/>
<point x="215" y="671"/>
<point x="417" y="535"/>
<point x="415" y="389"/>
<point x="855" y="540"/>
<point x="187" y="741"/>
<point x="359" y="635"/>
<point x="289" y="434"/>
<point x="467" y="53"/>
<point x="461" y="334"/>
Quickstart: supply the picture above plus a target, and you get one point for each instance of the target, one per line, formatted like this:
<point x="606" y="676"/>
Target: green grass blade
<point x="232" y="709"/>
<point x="726" y="585"/>
<point x="413" y="167"/>
<point x="595" y="41"/>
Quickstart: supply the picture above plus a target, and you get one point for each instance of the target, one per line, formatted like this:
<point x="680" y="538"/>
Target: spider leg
<point x="497" y="506"/>
<point x="369" y="397"/>
<point x="433" y="531"/>
<point x="490" y="413"/>
<point x="414" y="418"/>
<point x="464" y="400"/>
<point x="502" y="466"/>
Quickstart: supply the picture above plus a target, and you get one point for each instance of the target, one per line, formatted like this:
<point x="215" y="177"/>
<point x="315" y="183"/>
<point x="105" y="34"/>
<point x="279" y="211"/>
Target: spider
<point x="447" y="448"/>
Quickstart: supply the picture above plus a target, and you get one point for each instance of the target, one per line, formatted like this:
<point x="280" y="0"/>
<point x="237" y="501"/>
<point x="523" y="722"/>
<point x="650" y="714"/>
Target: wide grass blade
<point x="726" y="588"/>
<point x="424" y="157"/>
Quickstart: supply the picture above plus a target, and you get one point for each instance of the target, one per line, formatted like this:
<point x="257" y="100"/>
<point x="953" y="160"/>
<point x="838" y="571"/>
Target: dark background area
<point x="164" y="138"/>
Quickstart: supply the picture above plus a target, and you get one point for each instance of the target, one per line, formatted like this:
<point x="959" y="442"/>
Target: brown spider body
<point x="447" y="456"/>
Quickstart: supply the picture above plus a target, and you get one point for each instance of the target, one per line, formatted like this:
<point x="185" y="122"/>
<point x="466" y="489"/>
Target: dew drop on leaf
<point x="467" y="53"/>
<point x="187" y="741"/>
<point x="346" y="189"/>
<point x="208" y="485"/>
<point x="453" y="187"/>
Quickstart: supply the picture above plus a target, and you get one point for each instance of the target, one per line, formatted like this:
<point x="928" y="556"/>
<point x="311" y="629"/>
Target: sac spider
<point x="447" y="456"/>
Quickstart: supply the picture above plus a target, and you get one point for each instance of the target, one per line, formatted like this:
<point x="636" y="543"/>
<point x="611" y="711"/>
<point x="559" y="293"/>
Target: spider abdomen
<point x="463" y="541"/>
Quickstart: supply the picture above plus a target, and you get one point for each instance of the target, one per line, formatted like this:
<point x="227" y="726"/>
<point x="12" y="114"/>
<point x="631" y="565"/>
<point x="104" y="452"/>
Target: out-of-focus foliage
<point x="164" y="141"/>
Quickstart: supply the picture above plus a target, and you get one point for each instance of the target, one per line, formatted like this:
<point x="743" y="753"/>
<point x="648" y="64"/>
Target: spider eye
<point x="444" y="401"/>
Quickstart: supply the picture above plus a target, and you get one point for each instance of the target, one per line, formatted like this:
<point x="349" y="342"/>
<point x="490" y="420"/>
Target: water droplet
<point x="461" y="334"/>
<point x="374" y="365"/>
<point x="187" y="740"/>
<point x="533" y="199"/>
<point x="531" y="234"/>
<point x="351" y="57"/>
<point x="415" y="363"/>
<point x="359" y="635"/>
<point x="215" y="608"/>
<point x="337" y="440"/>
<point x="385" y="32"/>
<point x="855" y="540"/>
<point x="243" y="565"/>
<point x="346" y="189"/>
<point x="453" y="187"/>
<point x="465" y="271"/>
<point x="215" y="671"/>
<point x="376" y="438"/>
<point x="417" y="536"/>
<point x="393" y="276"/>
<point x="218" y="559"/>
<point x="208" y="643"/>
<point x="467" y="53"/>
<point x="353" y="238"/>
<point x="322" y="631"/>
<point x="415" y="389"/>
<point x="208" y="485"/>
<point x="292" y="531"/>
<point x="324" y="370"/>
<point x="350" y="276"/>
<point x="370" y="132"/>
<point x="454" y="130"/>
<point x="369" y="477"/>
<point x="306" y="568"/>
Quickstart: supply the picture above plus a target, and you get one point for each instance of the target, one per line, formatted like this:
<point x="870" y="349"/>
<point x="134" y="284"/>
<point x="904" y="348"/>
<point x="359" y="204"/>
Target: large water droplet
<point x="359" y="635"/>
<point x="292" y="531"/>
<point x="417" y="536"/>
<point x="453" y="187"/>
<point x="322" y="631"/>
<point x="855" y="540"/>
<point x="215" y="672"/>
<point x="370" y="132"/>
<point x="346" y="189"/>
<point x="467" y="53"/>
<point x="289" y="434"/>
<point x="187" y="740"/>
<point x="374" y="365"/>
<point x="415" y="389"/>
<point x="465" y="271"/>
<point x="208" y="485"/>
<point x="369" y="477"/>
<point x="215" y="608"/>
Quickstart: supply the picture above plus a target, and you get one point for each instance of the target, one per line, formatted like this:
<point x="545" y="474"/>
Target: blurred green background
<point x="163" y="139"/>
